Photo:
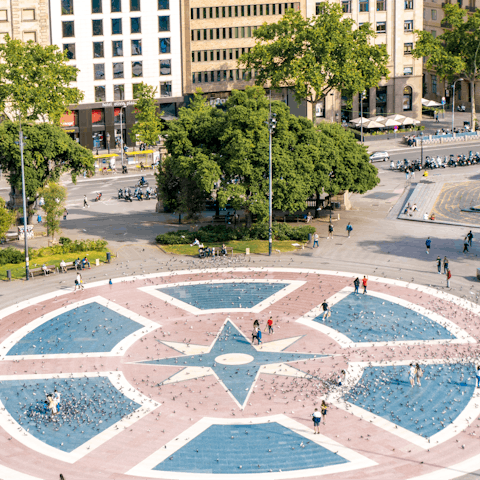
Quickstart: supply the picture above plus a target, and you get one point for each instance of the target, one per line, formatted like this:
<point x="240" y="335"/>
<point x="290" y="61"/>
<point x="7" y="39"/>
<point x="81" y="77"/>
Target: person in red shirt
<point x="270" y="325"/>
<point x="449" y="276"/>
<point x="364" y="283"/>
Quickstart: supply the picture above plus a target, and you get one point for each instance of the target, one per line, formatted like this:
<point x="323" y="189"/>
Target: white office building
<point x="116" y="45"/>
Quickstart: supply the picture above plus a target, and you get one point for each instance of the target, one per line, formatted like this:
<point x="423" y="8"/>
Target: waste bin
<point x="9" y="275"/>
<point x="309" y="238"/>
<point x="108" y="257"/>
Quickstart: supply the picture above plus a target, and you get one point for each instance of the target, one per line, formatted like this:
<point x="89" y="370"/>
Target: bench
<point x="50" y="268"/>
<point x="294" y="218"/>
<point x="68" y="265"/>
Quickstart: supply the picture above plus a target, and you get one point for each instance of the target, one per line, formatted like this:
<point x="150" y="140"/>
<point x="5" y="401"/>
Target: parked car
<point x="379" y="156"/>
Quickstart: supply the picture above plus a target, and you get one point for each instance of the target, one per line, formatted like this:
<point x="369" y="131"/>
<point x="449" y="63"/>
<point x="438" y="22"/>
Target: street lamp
<point x="121" y="132"/>
<point x="453" y="101"/>
<point x="272" y="123"/>
<point x="363" y="96"/>
<point x="421" y="137"/>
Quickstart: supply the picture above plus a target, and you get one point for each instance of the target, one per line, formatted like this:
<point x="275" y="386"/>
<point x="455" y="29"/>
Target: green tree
<point x="54" y="196"/>
<point x="7" y="217"/>
<point x="48" y="152"/>
<point x="149" y="125"/>
<point x="317" y="55"/>
<point x="455" y="53"/>
<point x="35" y="81"/>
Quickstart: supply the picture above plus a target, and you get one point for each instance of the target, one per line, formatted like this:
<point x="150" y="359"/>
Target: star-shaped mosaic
<point x="234" y="361"/>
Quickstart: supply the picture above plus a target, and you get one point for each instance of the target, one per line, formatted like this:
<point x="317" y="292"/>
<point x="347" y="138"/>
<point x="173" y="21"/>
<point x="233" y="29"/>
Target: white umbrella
<point x="430" y="103"/>
<point x="388" y="122"/>
<point x="410" y="121"/>
<point x="380" y="118"/>
<point x="373" y="124"/>
<point x="397" y="118"/>
<point x="360" y="120"/>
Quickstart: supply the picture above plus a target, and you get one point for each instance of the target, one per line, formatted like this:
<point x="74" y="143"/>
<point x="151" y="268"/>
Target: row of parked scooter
<point x="127" y="194"/>
<point x="437" y="162"/>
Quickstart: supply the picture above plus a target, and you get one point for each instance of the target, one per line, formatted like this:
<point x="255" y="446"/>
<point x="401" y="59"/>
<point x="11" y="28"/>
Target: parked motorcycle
<point x="98" y="197"/>
<point x="120" y="194"/>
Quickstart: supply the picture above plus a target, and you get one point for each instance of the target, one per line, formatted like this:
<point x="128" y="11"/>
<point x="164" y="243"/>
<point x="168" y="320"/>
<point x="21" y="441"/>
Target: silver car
<point x="379" y="156"/>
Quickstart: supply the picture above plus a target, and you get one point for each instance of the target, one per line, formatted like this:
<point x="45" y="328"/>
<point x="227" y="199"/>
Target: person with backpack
<point x="356" y="284"/>
<point x="326" y="310"/>
<point x="78" y="283"/>
<point x="428" y="244"/>
<point x="330" y="231"/>
<point x="349" y="229"/>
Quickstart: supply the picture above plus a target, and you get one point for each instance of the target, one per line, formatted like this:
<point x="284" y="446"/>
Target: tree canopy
<point x="224" y="153"/>
<point x="148" y="126"/>
<point x="317" y="55"/>
<point x="7" y="217"/>
<point x="48" y="152"/>
<point x="35" y="81"/>
<point x="455" y="53"/>
<point x="54" y="196"/>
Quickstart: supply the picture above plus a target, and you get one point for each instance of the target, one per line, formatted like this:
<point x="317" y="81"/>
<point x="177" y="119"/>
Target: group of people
<point x="52" y="402"/>
<point x="257" y="331"/>
<point x="446" y="270"/>
<point x="409" y="209"/>
<point x="209" y="251"/>
<point x="415" y="373"/>
<point x="467" y="241"/>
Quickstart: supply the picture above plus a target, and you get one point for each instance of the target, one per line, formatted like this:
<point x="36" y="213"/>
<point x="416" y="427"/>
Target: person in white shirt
<point x="317" y="418"/>
<point x="63" y="266"/>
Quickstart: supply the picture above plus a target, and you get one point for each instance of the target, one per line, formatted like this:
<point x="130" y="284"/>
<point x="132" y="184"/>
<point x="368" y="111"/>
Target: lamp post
<point x="121" y="133"/>
<point x="272" y="123"/>
<point x="421" y="161"/>
<point x="24" y="199"/>
<point x="453" y="101"/>
<point x="361" y="114"/>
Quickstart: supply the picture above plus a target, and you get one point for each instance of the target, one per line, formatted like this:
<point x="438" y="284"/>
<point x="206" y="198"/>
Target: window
<point x="119" y="92"/>
<point x="118" y="70"/>
<point x="164" y="23"/>
<point x="3" y="15"/>
<point x="458" y="88"/>
<point x="381" y="27"/>
<point x="67" y="7"/>
<point x="434" y="33"/>
<point x="137" y="69"/>
<point x="164" y="4"/>
<point x="96" y="6"/>
<point x="408" y="70"/>
<point x="28" y="15"/>
<point x="407" y="48"/>
<point x="116" y="26"/>
<point x="116" y="6"/>
<point x="434" y="84"/>
<point x="99" y="71"/>
<point x="70" y="49"/>
<point x="363" y="5"/>
<point x="68" y="29"/>
<point x="164" y="45"/>
<point x="98" y="115"/>
<point x="30" y="37"/>
<point x="381" y="100"/>
<point x="134" y="5"/>
<point x="166" y="89"/>
<point x="408" y="25"/>
<point x="381" y="5"/>
<point x="136" y="88"/>
<point x="135" y="25"/>
<point x="407" y="99"/>
<point x="99" y="96"/>
<point x="136" y="47"/>
<point x="434" y="14"/>
<point x="117" y="48"/>
<point x="98" y="50"/>
<point x="165" y="67"/>
<point x="97" y="27"/>
<point x="408" y="4"/>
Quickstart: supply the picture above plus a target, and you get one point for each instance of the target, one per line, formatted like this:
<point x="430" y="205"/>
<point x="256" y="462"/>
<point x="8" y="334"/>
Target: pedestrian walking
<point x="330" y="231"/>
<point x="364" y="283"/>
<point x="39" y="218"/>
<point x="317" y="418"/>
<point x="412" y="173"/>
<point x="341" y="378"/>
<point x="259" y="336"/>
<point x="465" y="245"/>
<point x="78" y="282"/>
<point x="470" y="238"/>
<point x="349" y="229"/>
<point x="406" y="173"/>
<point x="324" y="408"/>
<point x="449" y="276"/>
<point x="65" y="213"/>
<point x="85" y="203"/>
<point x="254" y="335"/>
<point x="356" y="284"/>
<point x="411" y="375"/>
<point x="478" y="376"/>
<point x="418" y="374"/>
<point x="428" y="244"/>
<point x="270" y="326"/>
<point x="445" y="264"/>
<point x="315" y="240"/>
<point x="326" y="310"/>
<point x="436" y="117"/>
<point x="439" y="265"/>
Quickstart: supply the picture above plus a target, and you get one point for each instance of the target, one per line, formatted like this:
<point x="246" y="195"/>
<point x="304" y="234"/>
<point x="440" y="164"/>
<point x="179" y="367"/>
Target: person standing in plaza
<point x="270" y="325"/>
<point x="465" y="245"/>
<point x="326" y="310"/>
<point x="259" y="336"/>
<point x="254" y="334"/>
<point x="364" y="283"/>
<point x="439" y="265"/>
<point x="406" y="173"/>
<point x="418" y="374"/>
<point x="449" y="276"/>
<point x="411" y="375"/>
<point x="317" y="418"/>
<point x="478" y="376"/>
<point x="85" y="203"/>
<point x="330" y="231"/>
<point x="324" y="408"/>
<point x="356" y="284"/>
<point x="470" y="238"/>
<point x="315" y="240"/>
<point x="78" y="282"/>
<point x="445" y="264"/>
<point x="428" y="244"/>
<point x="65" y="213"/>
<point x="349" y="229"/>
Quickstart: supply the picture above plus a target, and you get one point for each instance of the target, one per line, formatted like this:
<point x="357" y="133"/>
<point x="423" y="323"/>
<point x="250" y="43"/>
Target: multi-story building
<point x="434" y="87"/>
<point x="25" y="20"/>
<point x="116" y="45"/>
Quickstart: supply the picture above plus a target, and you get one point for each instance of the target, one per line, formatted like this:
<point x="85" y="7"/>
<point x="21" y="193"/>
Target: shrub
<point x="219" y="234"/>
<point x="11" y="255"/>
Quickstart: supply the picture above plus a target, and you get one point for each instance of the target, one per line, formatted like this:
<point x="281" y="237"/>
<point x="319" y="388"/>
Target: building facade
<point x="116" y="45"/>
<point x="25" y="20"/>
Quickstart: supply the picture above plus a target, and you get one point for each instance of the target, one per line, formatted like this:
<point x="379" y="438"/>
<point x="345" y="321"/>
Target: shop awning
<point x="107" y="155"/>
<point x="138" y="153"/>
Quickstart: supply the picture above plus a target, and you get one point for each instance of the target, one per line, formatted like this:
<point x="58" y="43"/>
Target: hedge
<point x="220" y="234"/>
